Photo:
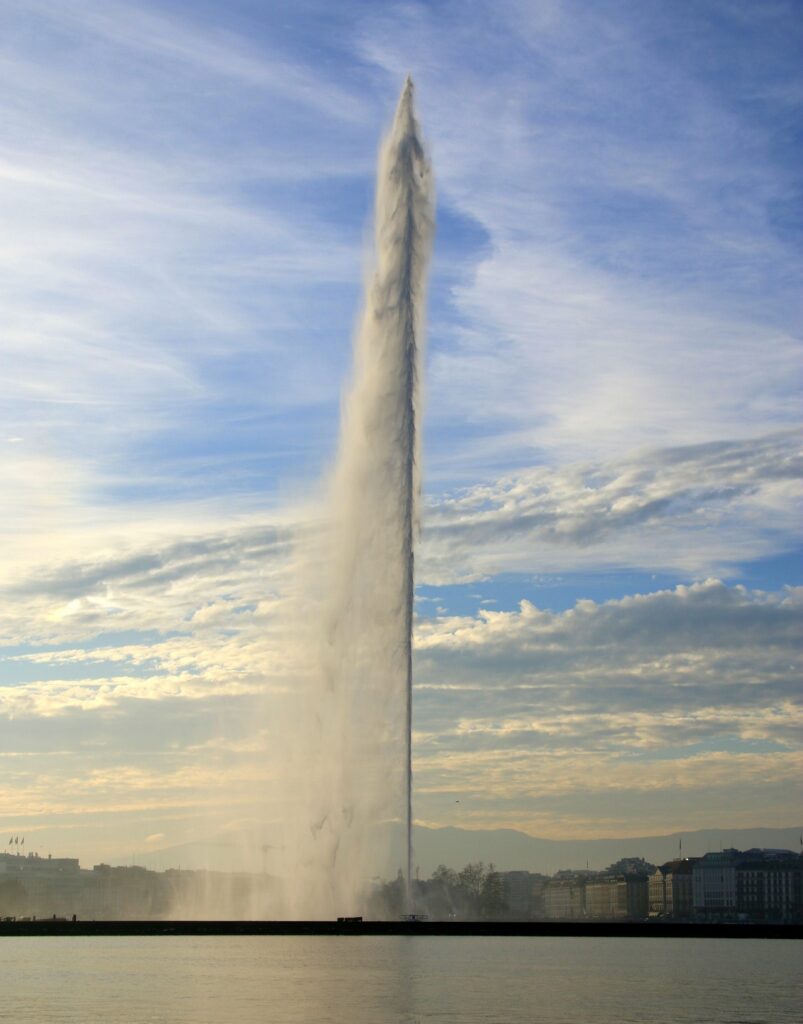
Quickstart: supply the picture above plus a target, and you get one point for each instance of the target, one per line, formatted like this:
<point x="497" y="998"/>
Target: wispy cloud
<point x="209" y="46"/>
<point x="696" y="511"/>
<point x="635" y="286"/>
<point x="720" y="502"/>
<point x="157" y="263"/>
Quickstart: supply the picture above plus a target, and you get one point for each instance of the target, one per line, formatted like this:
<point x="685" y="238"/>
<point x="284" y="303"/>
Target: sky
<point x="609" y="577"/>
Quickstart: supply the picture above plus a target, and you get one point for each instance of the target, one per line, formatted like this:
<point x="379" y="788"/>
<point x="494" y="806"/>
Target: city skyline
<point x="754" y="885"/>
<point x="609" y="575"/>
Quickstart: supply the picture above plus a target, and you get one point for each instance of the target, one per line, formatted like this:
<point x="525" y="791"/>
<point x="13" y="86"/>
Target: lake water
<point x="399" y="979"/>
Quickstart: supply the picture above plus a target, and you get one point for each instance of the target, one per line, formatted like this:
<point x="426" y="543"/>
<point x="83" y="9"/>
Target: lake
<point x="399" y="979"/>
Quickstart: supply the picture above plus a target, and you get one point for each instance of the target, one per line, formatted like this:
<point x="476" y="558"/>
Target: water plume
<point x="351" y="746"/>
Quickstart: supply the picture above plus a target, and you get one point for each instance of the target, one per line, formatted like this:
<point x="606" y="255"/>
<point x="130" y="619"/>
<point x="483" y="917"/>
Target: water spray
<point x="353" y="720"/>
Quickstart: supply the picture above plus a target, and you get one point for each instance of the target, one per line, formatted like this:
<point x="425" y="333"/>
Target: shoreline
<point x="611" y="929"/>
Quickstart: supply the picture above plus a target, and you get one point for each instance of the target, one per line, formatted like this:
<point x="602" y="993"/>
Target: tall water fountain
<point x="352" y="771"/>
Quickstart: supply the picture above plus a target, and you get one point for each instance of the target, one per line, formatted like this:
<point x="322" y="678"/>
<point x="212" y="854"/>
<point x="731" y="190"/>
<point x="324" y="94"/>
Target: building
<point x="757" y="885"/>
<point x="523" y="894"/>
<point x="670" y="889"/>
<point x="606" y="898"/>
<point x="630" y="866"/>
<point x="564" y="898"/>
<point x="52" y="885"/>
<point x="637" y="896"/>
<point x="617" y="897"/>
<point x="714" y="884"/>
<point x="768" y="886"/>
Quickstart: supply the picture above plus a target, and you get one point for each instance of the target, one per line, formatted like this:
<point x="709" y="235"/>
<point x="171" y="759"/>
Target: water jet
<point x="358" y="704"/>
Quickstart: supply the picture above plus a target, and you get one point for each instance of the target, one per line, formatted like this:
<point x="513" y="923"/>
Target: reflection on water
<point x="378" y="980"/>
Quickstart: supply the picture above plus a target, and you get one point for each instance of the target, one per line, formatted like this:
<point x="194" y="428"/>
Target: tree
<point x="493" y="904"/>
<point x="388" y="900"/>
<point x="471" y="880"/>
<point x="446" y="877"/>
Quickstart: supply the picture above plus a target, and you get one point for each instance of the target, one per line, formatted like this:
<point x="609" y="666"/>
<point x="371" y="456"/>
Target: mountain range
<point x="507" y="849"/>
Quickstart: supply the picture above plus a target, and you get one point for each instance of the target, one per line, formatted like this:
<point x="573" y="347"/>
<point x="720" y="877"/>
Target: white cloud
<point x="524" y="715"/>
<point x="696" y="509"/>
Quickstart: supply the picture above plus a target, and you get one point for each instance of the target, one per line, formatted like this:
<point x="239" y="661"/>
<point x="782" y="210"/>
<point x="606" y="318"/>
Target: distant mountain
<point x="507" y="848"/>
<point x="510" y="850"/>
<point x="217" y="854"/>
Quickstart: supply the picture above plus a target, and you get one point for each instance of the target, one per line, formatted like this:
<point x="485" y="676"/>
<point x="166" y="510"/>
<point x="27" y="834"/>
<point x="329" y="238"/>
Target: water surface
<point x="399" y="979"/>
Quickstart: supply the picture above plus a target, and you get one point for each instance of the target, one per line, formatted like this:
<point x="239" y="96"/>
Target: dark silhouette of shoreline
<point x="621" y="929"/>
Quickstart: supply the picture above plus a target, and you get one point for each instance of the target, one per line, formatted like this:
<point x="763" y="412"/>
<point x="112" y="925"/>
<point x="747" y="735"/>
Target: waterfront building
<point x="52" y="885"/>
<point x="714" y="884"/>
<point x="606" y="898"/>
<point x="523" y="894"/>
<point x="758" y="885"/>
<point x="564" y="898"/>
<point x="617" y="897"/>
<point x="768" y="886"/>
<point x="670" y="889"/>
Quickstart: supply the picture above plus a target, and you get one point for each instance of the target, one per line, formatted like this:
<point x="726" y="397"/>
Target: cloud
<point x="696" y="509"/>
<point x="158" y="258"/>
<point x="684" y="690"/>
<point x="552" y="721"/>
<point x="211" y="48"/>
<point x="706" y="638"/>
<point x="532" y="715"/>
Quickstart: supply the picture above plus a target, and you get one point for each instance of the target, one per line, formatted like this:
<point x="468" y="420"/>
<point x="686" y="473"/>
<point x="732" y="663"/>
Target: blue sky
<point x="611" y="556"/>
